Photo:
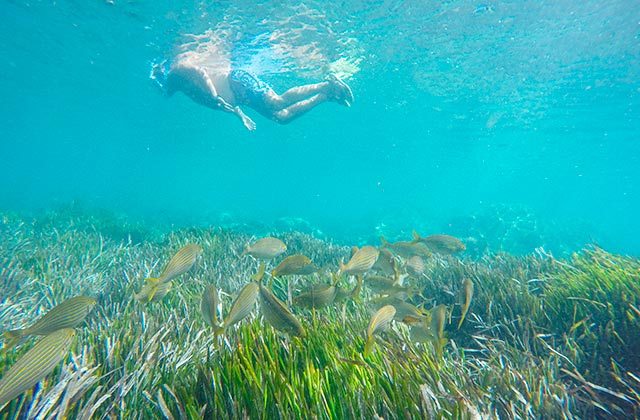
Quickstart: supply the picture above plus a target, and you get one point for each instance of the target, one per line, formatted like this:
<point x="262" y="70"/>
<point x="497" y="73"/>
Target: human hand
<point x="248" y="122"/>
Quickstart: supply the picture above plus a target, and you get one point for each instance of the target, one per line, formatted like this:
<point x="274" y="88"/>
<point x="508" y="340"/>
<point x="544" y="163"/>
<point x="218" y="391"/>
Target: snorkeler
<point x="214" y="84"/>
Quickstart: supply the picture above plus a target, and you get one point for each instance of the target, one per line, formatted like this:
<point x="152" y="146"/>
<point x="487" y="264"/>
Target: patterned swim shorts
<point x="249" y="90"/>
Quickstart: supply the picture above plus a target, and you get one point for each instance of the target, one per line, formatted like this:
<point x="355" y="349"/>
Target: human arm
<point x="223" y="105"/>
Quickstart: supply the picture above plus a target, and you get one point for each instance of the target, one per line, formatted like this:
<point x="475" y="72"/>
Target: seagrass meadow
<point x="544" y="337"/>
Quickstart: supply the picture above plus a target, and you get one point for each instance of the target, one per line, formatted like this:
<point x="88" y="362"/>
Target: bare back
<point x="186" y="75"/>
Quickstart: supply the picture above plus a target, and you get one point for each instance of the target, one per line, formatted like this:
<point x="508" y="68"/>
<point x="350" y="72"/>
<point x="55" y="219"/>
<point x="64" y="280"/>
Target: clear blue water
<point x="470" y="116"/>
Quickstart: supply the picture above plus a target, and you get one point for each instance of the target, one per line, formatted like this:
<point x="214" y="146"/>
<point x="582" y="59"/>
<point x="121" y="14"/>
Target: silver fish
<point x="35" y="364"/>
<point x="361" y="261"/>
<point x="265" y="248"/>
<point x="378" y="321"/>
<point x="68" y="314"/>
<point x="241" y="307"/>
<point x="209" y="306"/>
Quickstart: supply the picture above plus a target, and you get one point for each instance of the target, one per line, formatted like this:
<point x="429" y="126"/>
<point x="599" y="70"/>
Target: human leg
<point x="290" y="113"/>
<point x="334" y="88"/>
<point x="253" y="92"/>
<point x="299" y="93"/>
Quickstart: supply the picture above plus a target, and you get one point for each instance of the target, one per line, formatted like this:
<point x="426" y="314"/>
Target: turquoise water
<point x="470" y="118"/>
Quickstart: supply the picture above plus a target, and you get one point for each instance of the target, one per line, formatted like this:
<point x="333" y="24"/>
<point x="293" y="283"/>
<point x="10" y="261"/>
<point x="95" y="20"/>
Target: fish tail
<point x="424" y="310"/>
<point x="152" y="293"/>
<point x="397" y="279"/>
<point x="368" y="346"/>
<point x="218" y="331"/>
<point x="341" y="266"/>
<point x="260" y="274"/>
<point x="355" y="293"/>
<point x="441" y="343"/>
<point x="12" y="338"/>
<point x="245" y="250"/>
<point x="155" y="282"/>
<point x="462" y="319"/>
<point x="336" y="278"/>
<point x="141" y="298"/>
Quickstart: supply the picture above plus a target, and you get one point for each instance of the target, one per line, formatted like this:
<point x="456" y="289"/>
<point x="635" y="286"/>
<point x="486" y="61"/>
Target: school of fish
<point x="382" y="270"/>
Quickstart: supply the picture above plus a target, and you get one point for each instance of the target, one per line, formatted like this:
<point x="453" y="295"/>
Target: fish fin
<point x="218" y="330"/>
<point x="336" y="278"/>
<point x="416" y="236"/>
<point x="141" y="298"/>
<point x="397" y="276"/>
<point x="341" y="265"/>
<point x="383" y="242"/>
<point x="151" y="294"/>
<point x="154" y="282"/>
<point x="423" y="309"/>
<point x="368" y="346"/>
<point x="13" y="338"/>
<point x="442" y="342"/>
<point x="355" y="293"/>
<point x="260" y="274"/>
<point x="438" y="344"/>
<point x="399" y="280"/>
<point x="245" y="250"/>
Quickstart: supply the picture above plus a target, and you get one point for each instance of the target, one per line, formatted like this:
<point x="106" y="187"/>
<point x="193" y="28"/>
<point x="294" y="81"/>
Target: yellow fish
<point x="361" y="261"/>
<point x="35" y="364"/>
<point x="265" y="248"/>
<point x="405" y="312"/>
<point x="415" y="266"/>
<point x="319" y="296"/>
<point x="209" y="306"/>
<point x="153" y="291"/>
<point x="342" y="294"/>
<point x="294" y="264"/>
<point x="441" y="244"/>
<point x="155" y="288"/>
<point x="379" y="284"/>
<point x="406" y="249"/>
<point x="378" y="321"/>
<point x="179" y="264"/>
<point x="386" y="263"/>
<point x="420" y="333"/>
<point x="277" y="314"/>
<point x="241" y="307"/>
<point x="438" y="319"/>
<point x="68" y="314"/>
<point x="467" y="290"/>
